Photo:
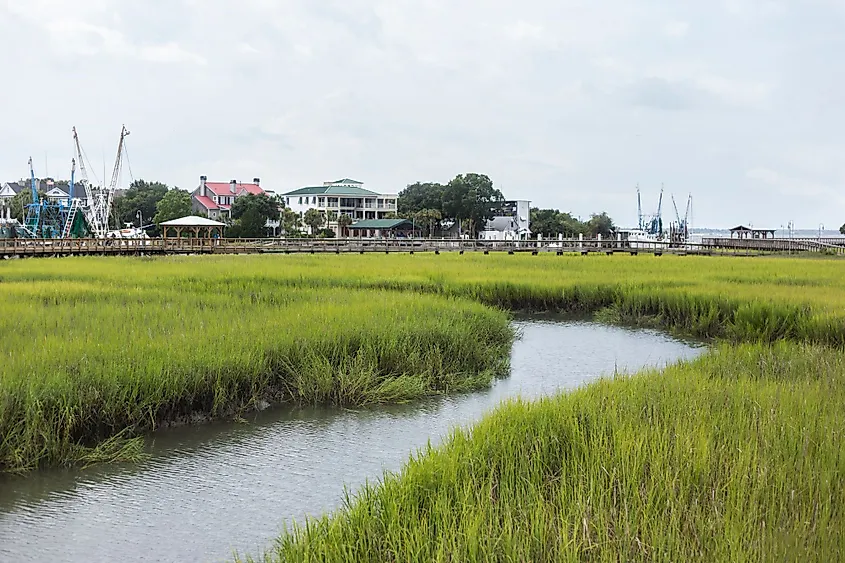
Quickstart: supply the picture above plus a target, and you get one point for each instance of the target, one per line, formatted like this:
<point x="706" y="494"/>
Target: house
<point x="57" y="195"/>
<point x="343" y="197"/>
<point x="8" y="191"/>
<point x="215" y="199"/>
<point x="510" y="221"/>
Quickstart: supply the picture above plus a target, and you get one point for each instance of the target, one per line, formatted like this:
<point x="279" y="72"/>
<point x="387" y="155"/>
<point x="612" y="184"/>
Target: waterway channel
<point x="209" y="491"/>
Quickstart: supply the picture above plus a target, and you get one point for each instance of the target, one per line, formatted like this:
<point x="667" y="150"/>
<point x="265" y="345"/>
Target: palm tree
<point x="343" y="223"/>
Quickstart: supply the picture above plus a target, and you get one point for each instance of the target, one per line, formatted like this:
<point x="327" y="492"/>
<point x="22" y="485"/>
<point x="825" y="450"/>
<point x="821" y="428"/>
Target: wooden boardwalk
<point x="11" y="248"/>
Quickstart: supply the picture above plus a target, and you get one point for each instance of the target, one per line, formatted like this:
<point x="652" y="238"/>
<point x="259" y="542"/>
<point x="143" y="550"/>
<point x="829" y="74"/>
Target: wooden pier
<point x="20" y="248"/>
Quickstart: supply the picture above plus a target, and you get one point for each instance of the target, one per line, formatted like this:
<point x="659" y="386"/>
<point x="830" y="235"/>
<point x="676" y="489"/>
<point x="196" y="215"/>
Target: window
<point x="300" y="201"/>
<point x="322" y="202"/>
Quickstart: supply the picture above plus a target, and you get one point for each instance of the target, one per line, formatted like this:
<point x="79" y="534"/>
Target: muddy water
<point x="212" y="490"/>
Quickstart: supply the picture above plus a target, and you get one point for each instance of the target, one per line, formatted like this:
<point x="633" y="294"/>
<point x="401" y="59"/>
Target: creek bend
<point x="211" y="490"/>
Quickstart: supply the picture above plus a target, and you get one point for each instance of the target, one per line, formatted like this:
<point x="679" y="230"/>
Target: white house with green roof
<point x="344" y="197"/>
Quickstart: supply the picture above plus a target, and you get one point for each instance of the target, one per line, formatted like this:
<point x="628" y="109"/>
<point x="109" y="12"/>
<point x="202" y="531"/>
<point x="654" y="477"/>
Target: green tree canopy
<point x="141" y="196"/>
<point x="262" y="204"/>
<point x="290" y="221"/>
<point x="176" y="203"/>
<point x="428" y="219"/>
<point x="419" y="196"/>
<point x="313" y="219"/>
<point x="600" y="224"/>
<point x="343" y="222"/>
<point x="250" y="214"/>
<point x="550" y="223"/>
<point x="471" y="196"/>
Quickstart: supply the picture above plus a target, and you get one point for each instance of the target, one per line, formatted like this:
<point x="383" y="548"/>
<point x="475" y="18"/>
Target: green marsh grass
<point x="88" y="360"/>
<point x="736" y="456"/>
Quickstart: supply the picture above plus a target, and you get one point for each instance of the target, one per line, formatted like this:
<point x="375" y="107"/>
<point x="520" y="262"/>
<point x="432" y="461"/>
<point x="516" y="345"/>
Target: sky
<point x="568" y="103"/>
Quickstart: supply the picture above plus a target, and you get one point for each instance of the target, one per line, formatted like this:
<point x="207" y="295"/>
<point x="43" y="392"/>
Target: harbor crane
<point x="680" y="230"/>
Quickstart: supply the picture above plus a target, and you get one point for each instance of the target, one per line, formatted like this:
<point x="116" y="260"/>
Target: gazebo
<point x="743" y="232"/>
<point x="199" y="227"/>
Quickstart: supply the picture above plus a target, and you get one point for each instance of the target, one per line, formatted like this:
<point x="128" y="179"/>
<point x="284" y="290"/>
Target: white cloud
<point x="169" y="53"/>
<point x="676" y="28"/>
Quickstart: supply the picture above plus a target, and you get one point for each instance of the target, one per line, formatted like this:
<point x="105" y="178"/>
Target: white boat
<point x="640" y="239"/>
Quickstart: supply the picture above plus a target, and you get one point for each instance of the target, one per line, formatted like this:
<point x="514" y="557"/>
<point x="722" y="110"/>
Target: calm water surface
<point x="212" y="490"/>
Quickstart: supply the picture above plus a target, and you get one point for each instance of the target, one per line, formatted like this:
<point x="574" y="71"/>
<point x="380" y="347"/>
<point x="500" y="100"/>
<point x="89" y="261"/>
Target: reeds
<point x="86" y="361"/>
<point x="737" y="456"/>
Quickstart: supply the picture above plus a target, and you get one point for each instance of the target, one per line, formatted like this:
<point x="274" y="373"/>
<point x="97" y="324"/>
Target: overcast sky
<point x="568" y="103"/>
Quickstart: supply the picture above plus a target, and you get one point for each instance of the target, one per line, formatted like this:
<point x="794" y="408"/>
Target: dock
<point x="23" y="248"/>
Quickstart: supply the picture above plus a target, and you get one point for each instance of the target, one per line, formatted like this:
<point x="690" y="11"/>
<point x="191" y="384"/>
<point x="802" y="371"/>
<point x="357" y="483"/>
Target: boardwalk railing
<point x="69" y="247"/>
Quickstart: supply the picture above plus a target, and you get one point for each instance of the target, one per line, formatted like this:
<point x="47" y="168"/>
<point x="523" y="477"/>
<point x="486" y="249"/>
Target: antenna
<point x="639" y="207"/>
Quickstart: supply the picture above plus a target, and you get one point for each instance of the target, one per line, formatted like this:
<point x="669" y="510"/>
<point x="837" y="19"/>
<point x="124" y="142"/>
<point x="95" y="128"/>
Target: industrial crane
<point x="33" y="209"/>
<point x="99" y="200"/>
<point x="680" y="233"/>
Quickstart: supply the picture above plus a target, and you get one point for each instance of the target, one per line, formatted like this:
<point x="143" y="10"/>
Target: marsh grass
<point x="736" y="456"/>
<point x="87" y="365"/>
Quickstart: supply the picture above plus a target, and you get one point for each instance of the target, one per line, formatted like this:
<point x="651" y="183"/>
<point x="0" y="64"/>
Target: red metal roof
<point x="206" y="202"/>
<point x="223" y="188"/>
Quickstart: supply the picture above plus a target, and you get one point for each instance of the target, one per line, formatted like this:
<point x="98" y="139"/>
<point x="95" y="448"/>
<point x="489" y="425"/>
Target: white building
<point x="510" y="222"/>
<point x="344" y="197"/>
<point x="58" y="195"/>
<point x="8" y="191"/>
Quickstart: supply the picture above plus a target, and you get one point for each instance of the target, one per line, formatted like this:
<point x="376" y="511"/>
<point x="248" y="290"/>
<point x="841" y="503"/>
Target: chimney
<point x="203" y="180"/>
<point x="256" y="181"/>
<point x="233" y="186"/>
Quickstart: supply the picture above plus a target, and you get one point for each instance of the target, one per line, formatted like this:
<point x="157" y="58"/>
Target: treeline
<point x="468" y="199"/>
<point x="551" y="223"/>
<point x="472" y="200"/>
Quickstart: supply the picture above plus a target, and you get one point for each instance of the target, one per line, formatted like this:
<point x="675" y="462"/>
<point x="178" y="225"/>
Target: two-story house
<point x="343" y="197"/>
<point x="215" y="199"/>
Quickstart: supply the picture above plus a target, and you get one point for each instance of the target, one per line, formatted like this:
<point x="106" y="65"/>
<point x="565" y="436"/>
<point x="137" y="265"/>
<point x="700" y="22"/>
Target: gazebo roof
<point x="192" y="221"/>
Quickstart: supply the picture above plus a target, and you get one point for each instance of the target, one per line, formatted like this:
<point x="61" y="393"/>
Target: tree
<point x="600" y="224"/>
<point x="313" y="219"/>
<point x="250" y="214"/>
<point x="390" y="215"/>
<point x="289" y="220"/>
<point x="550" y="223"/>
<point x="175" y="203"/>
<point x="331" y="217"/>
<point x="141" y="196"/>
<point x="419" y="196"/>
<point x="842" y="229"/>
<point x="251" y="224"/>
<point x="263" y="205"/>
<point x="343" y="223"/>
<point x="429" y="219"/>
<point x="471" y="196"/>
